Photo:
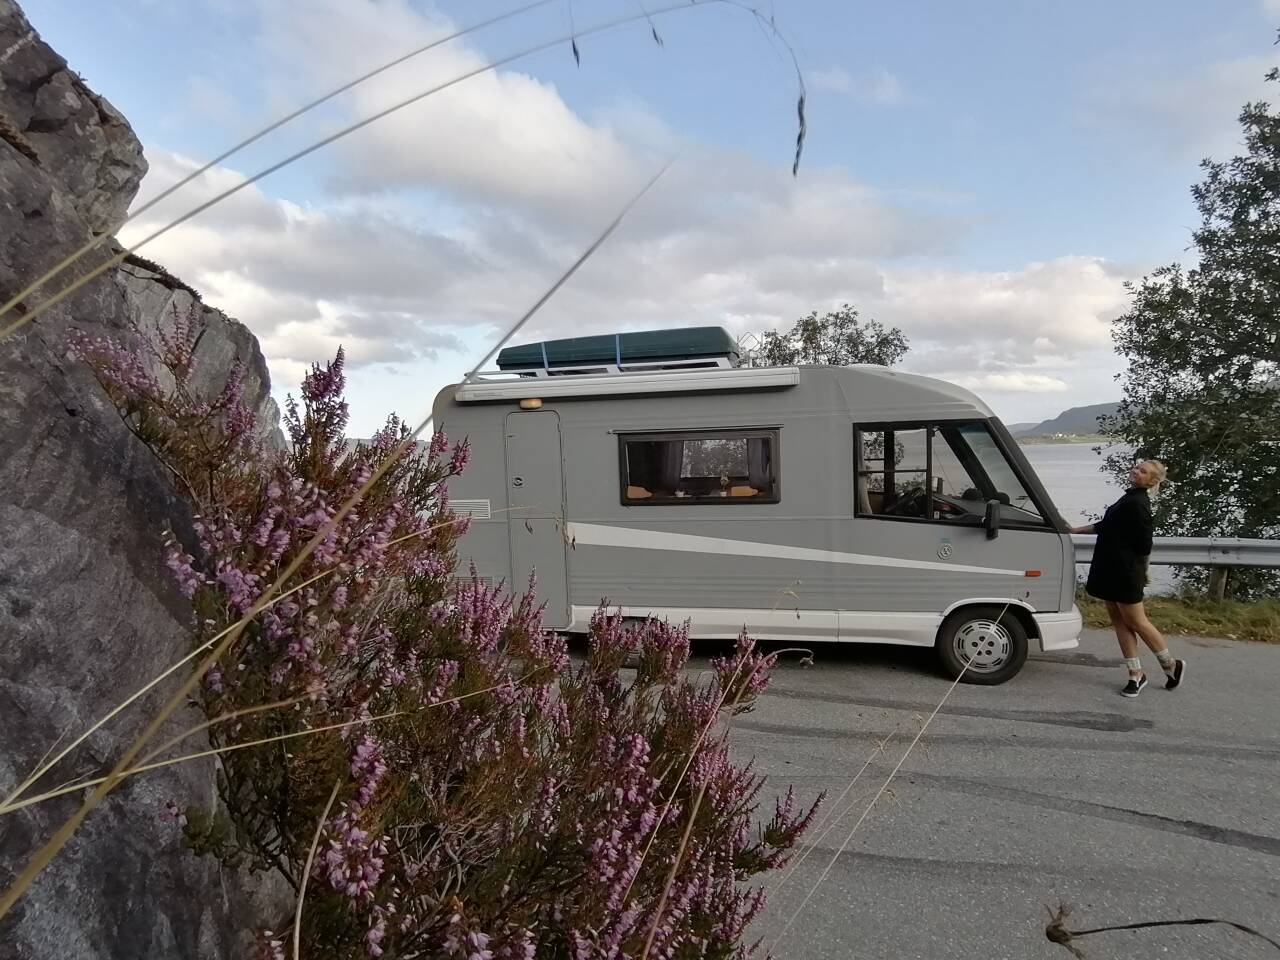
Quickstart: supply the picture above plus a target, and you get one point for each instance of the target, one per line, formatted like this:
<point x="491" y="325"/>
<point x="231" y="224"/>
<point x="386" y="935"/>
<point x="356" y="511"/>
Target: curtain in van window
<point x="672" y="460"/>
<point x="758" y="466"/>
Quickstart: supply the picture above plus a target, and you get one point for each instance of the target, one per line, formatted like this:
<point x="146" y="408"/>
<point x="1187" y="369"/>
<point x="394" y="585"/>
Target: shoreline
<point x="1061" y="441"/>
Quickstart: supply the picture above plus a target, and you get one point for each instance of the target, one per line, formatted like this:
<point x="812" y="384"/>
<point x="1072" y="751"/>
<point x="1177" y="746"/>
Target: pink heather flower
<point x="518" y="946"/>
<point x="582" y="761"/>
<point x="373" y="939"/>
<point x="179" y="340"/>
<point x="367" y="769"/>
<point x="461" y="457"/>
<point x="743" y="676"/>
<point x="446" y="673"/>
<point x="238" y="420"/>
<point x="439" y="444"/>
<point x="267" y="946"/>
<point x="241" y="587"/>
<point x="172" y="812"/>
<point x="353" y="862"/>
<point x="117" y="366"/>
<point x="213" y="680"/>
<point x="180" y="565"/>
<point x="265" y="526"/>
<point x="477" y="947"/>
<point x="664" y="651"/>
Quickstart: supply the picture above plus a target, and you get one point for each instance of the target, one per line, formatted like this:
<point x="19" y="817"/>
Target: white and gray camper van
<point x="805" y="504"/>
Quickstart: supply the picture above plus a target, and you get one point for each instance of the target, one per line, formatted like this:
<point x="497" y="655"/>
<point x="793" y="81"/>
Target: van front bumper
<point x="1059" y="631"/>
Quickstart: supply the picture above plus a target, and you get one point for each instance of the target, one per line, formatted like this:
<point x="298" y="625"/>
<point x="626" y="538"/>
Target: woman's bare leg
<point x="1128" y="639"/>
<point x="1135" y="618"/>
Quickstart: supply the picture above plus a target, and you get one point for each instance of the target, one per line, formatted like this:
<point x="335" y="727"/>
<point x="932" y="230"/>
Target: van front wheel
<point x="985" y="645"/>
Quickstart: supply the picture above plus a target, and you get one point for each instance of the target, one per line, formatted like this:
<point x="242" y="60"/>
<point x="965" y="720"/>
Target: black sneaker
<point x="1175" y="678"/>
<point x="1134" y="687"/>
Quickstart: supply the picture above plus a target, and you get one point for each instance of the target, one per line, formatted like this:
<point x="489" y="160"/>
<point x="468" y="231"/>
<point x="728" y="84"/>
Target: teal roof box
<point x="621" y="349"/>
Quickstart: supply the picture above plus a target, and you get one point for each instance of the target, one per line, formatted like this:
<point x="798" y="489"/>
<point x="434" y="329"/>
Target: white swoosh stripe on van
<point x="603" y="535"/>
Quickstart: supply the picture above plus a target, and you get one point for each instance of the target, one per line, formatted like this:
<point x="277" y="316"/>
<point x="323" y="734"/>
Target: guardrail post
<point x="1218" y="582"/>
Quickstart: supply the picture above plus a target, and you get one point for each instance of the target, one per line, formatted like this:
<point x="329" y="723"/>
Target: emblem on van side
<point x="945" y="551"/>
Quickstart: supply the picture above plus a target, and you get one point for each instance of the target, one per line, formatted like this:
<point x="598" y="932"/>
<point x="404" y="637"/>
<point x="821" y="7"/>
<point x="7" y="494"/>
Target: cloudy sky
<point x="985" y="176"/>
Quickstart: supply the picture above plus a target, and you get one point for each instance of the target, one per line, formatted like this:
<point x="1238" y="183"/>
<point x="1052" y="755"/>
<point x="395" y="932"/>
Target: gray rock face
<point x="87" y="611"/>
<point x="79" y="138"/>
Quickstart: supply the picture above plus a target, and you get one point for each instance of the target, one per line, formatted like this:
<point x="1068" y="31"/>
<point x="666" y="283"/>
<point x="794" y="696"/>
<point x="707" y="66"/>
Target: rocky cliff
<point x="87" y="614"/>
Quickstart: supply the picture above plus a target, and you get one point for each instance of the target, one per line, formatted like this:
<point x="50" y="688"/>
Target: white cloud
<point x="886" y="89"/>
<point x="721" y="240"/>
<point x="303" y="278"/>
<point x="1013" y="383"/>
<point x="206" y="99"/>
<point x="394" y="291"/>
<point x="1030" y="341"/>
<point x="1067" y="303"/>
<point x="447" y="221"/>
<point x="836" y="79"/>
<point x="496" y="137"/>
<point x="1271" y="8"/>
<point x="1166" y="108"/>
<point x="877" y="86"/>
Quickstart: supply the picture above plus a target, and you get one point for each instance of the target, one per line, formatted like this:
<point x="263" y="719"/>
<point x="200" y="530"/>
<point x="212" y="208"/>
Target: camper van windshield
<point x="942" y="472"/>
<point x="995" y="466"/>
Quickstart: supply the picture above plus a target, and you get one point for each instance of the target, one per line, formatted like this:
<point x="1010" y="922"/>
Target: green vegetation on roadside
<point x="1199" y="617"/>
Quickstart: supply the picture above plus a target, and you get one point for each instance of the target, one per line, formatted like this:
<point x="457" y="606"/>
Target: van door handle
<point x="517" y="481"/>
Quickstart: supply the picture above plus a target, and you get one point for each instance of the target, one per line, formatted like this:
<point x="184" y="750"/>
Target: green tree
<point x="838" y="338"/>
<point x="1202" y="387"/>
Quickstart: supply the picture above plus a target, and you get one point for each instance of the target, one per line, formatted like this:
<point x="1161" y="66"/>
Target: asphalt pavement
<point x="1049" y="789"/>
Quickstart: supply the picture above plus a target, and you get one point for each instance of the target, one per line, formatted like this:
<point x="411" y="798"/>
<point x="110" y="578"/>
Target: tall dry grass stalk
<point x="604" y="27"/>
<point x="697" y="802"/>
<point x="45" y="764"/>
<point x="46" y="853"/>
<point x="874" y="800"/>
<point x="1056" y="931"/>
<point x="836" y="813"/>
<point x="128" y="763"/>
<point x="288" y="118"/>
<point x="306" y="870"/>
<point x="145" y="767"/>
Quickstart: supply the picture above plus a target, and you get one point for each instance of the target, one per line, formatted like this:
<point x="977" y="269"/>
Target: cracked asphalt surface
<point x="1051" y="788"/>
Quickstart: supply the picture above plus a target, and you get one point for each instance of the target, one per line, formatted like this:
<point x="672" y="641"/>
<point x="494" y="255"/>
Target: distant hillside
<point x="1076" y="422"/>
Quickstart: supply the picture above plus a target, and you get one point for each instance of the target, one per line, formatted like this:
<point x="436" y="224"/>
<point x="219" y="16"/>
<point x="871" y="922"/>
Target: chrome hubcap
<point x="984" y="645"/>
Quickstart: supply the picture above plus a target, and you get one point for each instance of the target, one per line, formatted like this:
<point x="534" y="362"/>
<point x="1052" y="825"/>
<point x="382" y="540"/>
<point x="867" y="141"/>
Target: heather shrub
<point x="459" y="784"/>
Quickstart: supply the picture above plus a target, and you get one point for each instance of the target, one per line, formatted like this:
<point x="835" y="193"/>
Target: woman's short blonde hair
<point x="1161" y="471"/>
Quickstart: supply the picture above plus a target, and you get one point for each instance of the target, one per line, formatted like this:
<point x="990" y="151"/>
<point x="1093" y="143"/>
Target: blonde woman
<point x="1118" y="575"/>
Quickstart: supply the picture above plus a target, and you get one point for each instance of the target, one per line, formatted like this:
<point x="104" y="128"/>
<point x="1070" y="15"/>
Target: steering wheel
<point x="909" y="504"/>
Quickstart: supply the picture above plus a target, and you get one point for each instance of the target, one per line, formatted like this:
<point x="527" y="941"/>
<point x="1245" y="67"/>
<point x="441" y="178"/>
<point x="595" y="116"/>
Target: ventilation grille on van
<point x="478" y="509"/>
<point x="464" y="580"/>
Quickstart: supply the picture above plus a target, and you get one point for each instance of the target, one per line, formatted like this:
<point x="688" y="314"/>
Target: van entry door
<point x="535" y="517"/>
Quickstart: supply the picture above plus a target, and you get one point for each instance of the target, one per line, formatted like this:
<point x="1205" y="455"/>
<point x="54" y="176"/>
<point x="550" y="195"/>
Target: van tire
<point x="994" y="638"/>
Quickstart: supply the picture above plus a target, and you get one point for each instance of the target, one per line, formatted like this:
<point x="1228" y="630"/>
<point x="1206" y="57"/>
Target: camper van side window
<point x="942" y="472"/>
<point x="893" y="470"/>
<point x="721" y="466"/>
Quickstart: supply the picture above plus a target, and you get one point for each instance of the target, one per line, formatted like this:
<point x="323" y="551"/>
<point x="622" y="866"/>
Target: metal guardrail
<point x="1198" y="551"/>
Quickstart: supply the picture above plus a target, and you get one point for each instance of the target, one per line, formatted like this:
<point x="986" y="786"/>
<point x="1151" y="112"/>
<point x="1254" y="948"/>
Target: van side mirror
<point x="992" y="519"/>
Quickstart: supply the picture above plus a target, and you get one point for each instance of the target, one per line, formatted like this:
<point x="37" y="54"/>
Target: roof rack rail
<point x="614" y="369"/>
<point x="650" y="378"/>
